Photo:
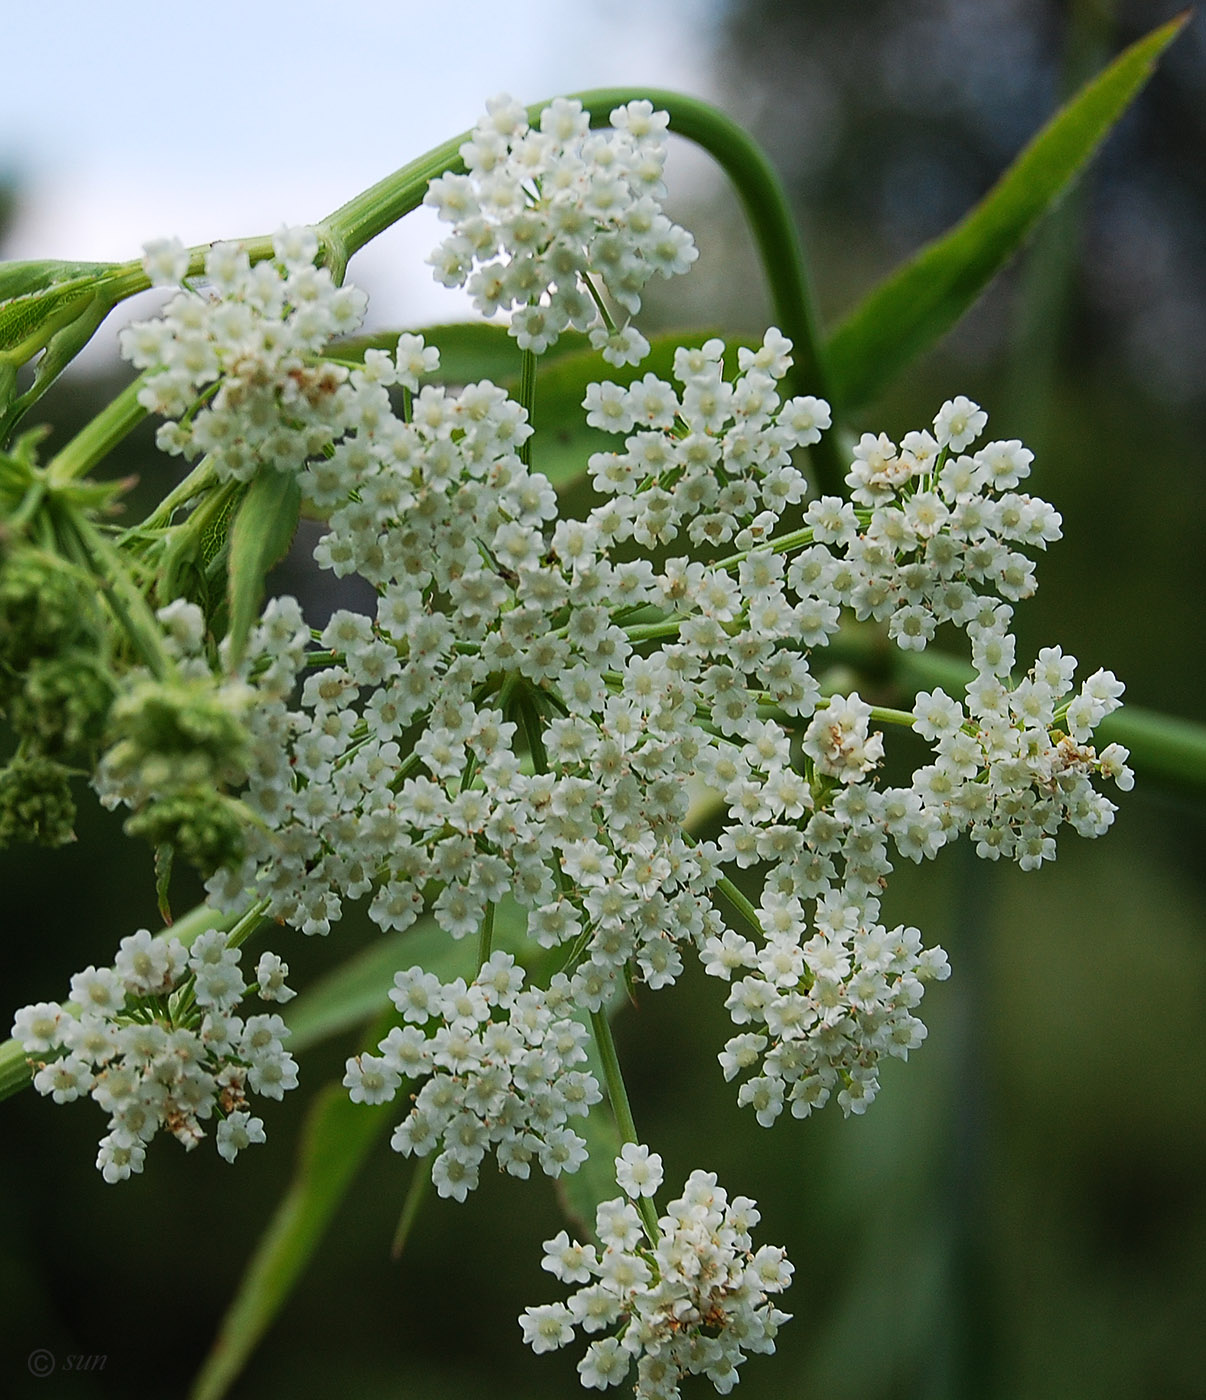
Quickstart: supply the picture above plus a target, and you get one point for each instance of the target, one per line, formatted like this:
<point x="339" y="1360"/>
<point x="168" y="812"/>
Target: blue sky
<point x="128" y="119"/>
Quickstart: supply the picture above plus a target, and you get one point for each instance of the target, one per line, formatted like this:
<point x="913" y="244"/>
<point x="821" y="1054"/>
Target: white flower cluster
<point x="156" y="1043"/>
<point x="825" y="1007"/>
<point x="499" y="1068"/>
<point x="713" y="459"/>
<point x="691" y="1302"/>
<point x="255" y="332"/>
<point x="572" y="702"/>
<point x="541" y="213"/>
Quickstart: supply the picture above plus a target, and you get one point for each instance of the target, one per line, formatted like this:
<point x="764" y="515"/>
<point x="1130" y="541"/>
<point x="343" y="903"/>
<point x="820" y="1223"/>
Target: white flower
<point x="638" y="1171"/>
<point x="165" y="261"/>
<point x="958" y="423"/>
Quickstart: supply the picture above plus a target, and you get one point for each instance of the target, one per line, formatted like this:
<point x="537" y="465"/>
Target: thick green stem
<point x="887" y="716"/>
<point x="94" y="442"/>
<point x="617" y="1095"/>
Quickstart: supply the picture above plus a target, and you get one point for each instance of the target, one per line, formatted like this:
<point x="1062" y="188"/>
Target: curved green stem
<point x="485" y="942"/>
<point x="617" y="1095"/>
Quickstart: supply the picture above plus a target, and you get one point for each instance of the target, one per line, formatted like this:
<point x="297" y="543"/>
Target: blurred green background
<point x="1022" y="1213"/>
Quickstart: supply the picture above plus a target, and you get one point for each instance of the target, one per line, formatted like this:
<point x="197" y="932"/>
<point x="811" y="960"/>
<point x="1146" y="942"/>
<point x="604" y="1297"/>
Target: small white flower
<point x="638" y="1171"/>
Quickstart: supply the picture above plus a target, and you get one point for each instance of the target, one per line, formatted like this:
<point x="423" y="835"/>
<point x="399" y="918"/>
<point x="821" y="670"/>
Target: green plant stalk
<point x="600" y="1024"/>
<point x="759" y="189"/>
<point x="196" y="483"/>
<point x="618" y="1096"/>
<point x="527" y="398"/>
<point x="889" y="716"/>
<point x="741" y="905"/>
<point x="95" y="441"/>
<point x="486" y="938"/>
<point x="128" y="604"/>
<point x="416" y="1194"/>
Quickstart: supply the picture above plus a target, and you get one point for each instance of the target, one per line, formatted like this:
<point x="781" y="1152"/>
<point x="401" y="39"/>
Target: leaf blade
<point x="262" y="531"/>
<point x="337" y="1137"/>
<point x="914" y="306"/>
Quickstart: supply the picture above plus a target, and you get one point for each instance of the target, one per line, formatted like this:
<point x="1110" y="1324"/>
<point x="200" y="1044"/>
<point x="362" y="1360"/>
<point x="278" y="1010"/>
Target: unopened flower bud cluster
<point x="693" y="1301"/>
<point x="498" y="1064"/>
<point x="156" y="1042"/>
<point x="177" y="746"/>
<point x="542" y="214"/>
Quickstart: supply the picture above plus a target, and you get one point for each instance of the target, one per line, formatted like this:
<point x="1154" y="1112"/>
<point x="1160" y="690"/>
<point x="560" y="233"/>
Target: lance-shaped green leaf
<point x="915" y="306"/>
<point x="263" y="529"/>
<point x="337" y="1137"/>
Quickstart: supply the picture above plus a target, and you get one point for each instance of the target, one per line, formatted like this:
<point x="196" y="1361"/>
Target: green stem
<point x="416" y="1193"/>
<point x="196" y="483"/>
<point x="886" y="716"/>
<point x="126" y="601"/>
<point x="617" y="1095"/>
<point x="533" y="731"/>
<point x="742" y="907"/>
<point x="248" y="923"/>
<point x="1165" y="749"/>
<point x="486" y="939"/>
<point x="94" y="442"/>
<point x="527" y="398"/>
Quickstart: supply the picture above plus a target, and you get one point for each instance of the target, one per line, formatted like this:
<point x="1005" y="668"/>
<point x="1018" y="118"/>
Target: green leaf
<point x="469" y="351"/>
<point x="26" y="279"/>
<point x="46" y="306"/>
<point x="915" y="306"/>
<point x="261" y="534"/>
<point x="337" y="1137"/>
<point x="359" y="988"/>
